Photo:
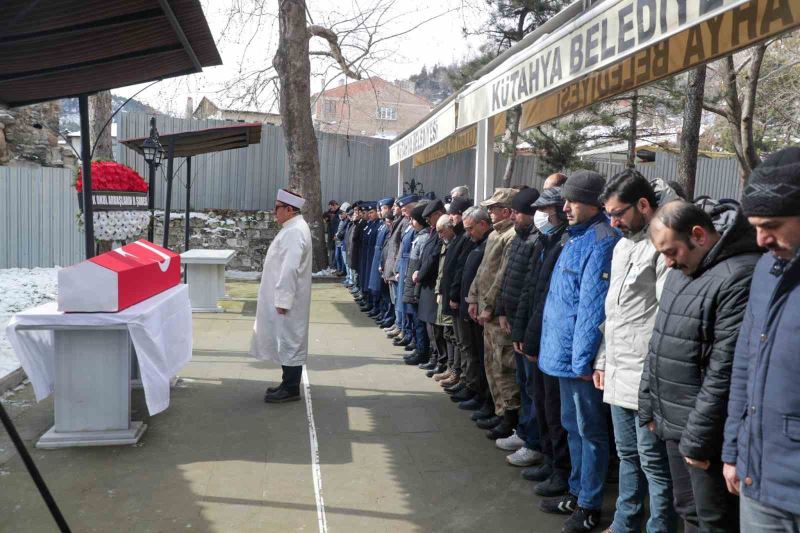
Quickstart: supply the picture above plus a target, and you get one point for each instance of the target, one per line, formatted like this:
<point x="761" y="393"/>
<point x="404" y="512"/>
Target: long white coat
<point x="285" y="283"/>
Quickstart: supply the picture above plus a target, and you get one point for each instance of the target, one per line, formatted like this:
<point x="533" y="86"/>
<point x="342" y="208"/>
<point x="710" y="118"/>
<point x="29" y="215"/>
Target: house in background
<point x="208" y="109"/>
<point x="372" y="108"/>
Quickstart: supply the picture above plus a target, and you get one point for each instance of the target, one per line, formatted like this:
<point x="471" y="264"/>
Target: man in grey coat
<point x="638" y="272"/>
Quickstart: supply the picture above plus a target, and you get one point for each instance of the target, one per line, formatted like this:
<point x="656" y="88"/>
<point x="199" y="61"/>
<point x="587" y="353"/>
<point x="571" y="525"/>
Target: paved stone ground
<point x="394" y="452"/>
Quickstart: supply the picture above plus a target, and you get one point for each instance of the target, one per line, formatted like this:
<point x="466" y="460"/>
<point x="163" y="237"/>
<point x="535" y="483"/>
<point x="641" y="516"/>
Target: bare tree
<point x="632" y="128"/>
<point x="736" y="103"/>
<point x="348" y="44"/>
<point x="690" y="132"/>
<point x="100" y="110"/>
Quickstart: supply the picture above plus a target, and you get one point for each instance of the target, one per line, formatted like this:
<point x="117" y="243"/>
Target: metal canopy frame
<point x="123" y="42"/>
<point x="188" y="144"/>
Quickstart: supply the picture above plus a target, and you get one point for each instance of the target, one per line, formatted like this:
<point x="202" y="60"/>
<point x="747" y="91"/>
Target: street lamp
<point x="153" y="152"/>
<point x="151" y="147"/>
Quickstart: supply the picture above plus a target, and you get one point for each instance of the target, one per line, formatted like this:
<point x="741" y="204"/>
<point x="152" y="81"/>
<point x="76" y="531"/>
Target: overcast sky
<point x="247" y="44"/>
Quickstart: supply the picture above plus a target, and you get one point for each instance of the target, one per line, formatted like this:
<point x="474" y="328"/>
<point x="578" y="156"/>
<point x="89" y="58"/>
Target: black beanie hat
<point x="585" y="187"/>
<point x="416" y="214"/>
<point x="521" y="203"/>
<point x="459" y="205"/>
<point x="773" y="189"/>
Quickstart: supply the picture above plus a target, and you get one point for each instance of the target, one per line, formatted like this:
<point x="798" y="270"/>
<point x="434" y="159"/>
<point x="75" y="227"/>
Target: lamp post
<point x="153" y="152"/>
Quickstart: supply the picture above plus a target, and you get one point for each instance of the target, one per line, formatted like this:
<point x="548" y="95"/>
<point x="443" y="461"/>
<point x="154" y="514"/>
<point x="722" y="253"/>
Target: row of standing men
<point x="595" y="324"/>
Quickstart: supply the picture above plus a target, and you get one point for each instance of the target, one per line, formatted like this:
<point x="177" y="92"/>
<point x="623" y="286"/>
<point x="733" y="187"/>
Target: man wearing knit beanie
<point x="765" y="364"/>
<point x="573" y="313"/>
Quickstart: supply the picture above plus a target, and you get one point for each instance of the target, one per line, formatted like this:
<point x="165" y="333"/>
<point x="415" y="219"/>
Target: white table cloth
<point x="160" y="329"/>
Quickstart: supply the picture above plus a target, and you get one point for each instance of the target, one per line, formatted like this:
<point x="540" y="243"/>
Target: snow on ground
<point x="20" y="289"/>
<point x="243" y="275"/>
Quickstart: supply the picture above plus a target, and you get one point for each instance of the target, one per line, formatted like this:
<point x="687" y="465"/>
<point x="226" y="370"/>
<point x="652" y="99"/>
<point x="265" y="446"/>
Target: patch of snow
<point x="20" y="289"/>
<point x="243" y="275"/>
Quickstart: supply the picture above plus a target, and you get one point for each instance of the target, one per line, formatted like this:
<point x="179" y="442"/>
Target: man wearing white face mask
<point x="526" y="331"/>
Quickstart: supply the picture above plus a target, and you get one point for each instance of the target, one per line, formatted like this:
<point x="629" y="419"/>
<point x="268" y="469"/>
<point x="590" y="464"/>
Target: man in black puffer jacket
<point x="525" y="440"/>
<point x="526" y="333"/>
<point x="685" y="383"/>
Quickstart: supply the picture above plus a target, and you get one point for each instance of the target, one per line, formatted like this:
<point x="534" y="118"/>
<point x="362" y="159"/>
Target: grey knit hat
<point x="584" y="187"/>
<point x="773" y="189"/>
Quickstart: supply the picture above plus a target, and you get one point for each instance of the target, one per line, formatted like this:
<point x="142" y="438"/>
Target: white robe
<point x="285" y="283"/>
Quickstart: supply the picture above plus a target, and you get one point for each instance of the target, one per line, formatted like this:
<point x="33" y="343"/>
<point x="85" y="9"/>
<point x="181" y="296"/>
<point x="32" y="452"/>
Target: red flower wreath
<point x="111" y="176"/>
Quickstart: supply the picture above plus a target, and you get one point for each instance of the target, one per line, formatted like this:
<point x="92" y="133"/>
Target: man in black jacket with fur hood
<point x="685" y="383"/>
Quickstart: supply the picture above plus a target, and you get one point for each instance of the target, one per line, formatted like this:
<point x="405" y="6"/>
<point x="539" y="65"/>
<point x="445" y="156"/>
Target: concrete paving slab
<point x="394" y="452"/>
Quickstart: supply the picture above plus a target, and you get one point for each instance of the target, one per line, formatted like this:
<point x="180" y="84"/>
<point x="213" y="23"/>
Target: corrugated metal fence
<point x="38" y="224"/>
<point x="248" y="178"/>
<point x="716" y="177"/>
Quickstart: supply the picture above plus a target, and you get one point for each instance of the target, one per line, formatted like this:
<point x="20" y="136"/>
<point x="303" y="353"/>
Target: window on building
<point x="330" y="107"/>
<point x="387" y="113"/>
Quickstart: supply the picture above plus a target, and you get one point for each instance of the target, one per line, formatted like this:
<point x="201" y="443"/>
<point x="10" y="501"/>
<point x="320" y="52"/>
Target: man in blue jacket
<point x="573" y="313"/>
<point x="761" y="453"/>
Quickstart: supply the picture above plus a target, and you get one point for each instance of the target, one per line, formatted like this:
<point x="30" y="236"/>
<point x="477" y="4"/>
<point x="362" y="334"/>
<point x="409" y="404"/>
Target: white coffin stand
<point x="93" y="388"/>
<point x="88" y="360"/>
<point x="205" y="275"/>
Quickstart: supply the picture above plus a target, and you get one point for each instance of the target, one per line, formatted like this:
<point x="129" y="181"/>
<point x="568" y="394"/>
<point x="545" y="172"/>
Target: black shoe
<point x="488" y="423"/>
<point x="538" y="473"/>
<point x="505" y="428"/>
<point x="374" y="313"/>
<point x="417" y="360"/>
<point x="282" y="396"/>
<point x="389" y="322"/>
<point x="555" y="485"/>
<point x="458" y="387"/>
<point x="430" y="365"/>
<point x="463" y="395"/>
<point x="582" y="520"/>
<point x="274" y="389"/>
<point x="366" y="309"/>
<point x="403" y="341"/>
<point x="486" y="411"/>
<point x="564" y="505"/>
<point x="471" y="405"/>
<point x="409" y="347"/>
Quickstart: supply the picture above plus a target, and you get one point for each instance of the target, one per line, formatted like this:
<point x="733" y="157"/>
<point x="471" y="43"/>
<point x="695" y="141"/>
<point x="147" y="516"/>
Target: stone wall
<point x="23" y="144"/>
<point x="249" y="233"/>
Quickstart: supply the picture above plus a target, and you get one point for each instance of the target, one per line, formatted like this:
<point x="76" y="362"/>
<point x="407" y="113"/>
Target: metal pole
<point x="151" y="202"/>
<point x="188" y="202"/>
<point x="86" y="162"/>
<point x="33" y="471"/>
<point x="170" y="159"/>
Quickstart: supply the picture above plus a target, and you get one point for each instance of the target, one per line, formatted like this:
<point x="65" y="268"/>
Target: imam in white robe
<point x="285" y="283"/>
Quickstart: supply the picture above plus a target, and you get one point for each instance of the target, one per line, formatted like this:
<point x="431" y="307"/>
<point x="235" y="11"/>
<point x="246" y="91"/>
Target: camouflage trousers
<point x="501" y="367"/>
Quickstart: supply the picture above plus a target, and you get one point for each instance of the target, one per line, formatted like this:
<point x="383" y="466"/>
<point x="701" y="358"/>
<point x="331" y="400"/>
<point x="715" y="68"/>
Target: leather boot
<point x="442" y="375"/>
<point x="506" y="427"/>
<point x="486" y="411"/>
<point x="489" y="423"/>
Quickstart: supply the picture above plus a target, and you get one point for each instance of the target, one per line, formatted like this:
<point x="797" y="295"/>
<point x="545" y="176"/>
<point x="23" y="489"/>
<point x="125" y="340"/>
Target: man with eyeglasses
<point x="280" y="332"/>
<point x="638" y="272"/>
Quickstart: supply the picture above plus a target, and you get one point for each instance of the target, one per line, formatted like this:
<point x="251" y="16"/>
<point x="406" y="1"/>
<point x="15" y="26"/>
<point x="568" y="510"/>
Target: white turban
<point x="290" y="198"/>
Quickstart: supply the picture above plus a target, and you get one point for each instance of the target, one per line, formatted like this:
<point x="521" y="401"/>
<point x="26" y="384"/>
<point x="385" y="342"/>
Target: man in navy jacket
<point x="573" y="313"/>
<point x="762" y="434"/>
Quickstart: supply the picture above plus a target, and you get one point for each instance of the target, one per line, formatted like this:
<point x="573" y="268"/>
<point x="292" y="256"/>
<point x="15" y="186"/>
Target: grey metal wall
<point x="456" y="169"/>
<point x="38" y="224"/>
<point x="716" y="177"/>
<point x="248" y="178"/>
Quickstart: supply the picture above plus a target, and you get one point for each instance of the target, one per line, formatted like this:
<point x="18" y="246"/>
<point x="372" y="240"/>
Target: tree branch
<point x="316" y="30"/>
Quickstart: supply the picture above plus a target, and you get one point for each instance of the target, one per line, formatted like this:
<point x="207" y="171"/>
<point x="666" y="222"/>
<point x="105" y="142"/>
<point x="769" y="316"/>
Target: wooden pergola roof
<point x="192" y="143"/>
<point x="53" y="49"/>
